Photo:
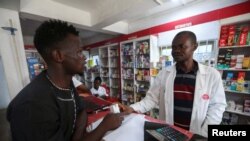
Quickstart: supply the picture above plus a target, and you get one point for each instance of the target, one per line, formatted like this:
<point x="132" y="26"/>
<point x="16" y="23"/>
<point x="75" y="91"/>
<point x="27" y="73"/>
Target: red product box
<point x="223" y="42"/>
<point x="241" y="76"/>
<point x="230" y="40"/>
<point x="224" y="36"/>
<point x="232" y="27"/>
<point x="224" y="32"/>
<point x="243" y="35"/>
<point x="225" y="28"/>
<point x="243" y="38"/>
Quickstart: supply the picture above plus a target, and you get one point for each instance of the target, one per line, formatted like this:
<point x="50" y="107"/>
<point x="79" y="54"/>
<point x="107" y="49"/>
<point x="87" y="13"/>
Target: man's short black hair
<point x="98" y="78"/>
<point x="50" y="33"/>
<point x="190" y="34"/>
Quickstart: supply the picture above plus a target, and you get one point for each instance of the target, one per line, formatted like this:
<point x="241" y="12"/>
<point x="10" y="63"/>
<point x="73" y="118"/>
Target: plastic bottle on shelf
<point x="229" y="80"/>
<point x="233" y="86"/>
<point x="246" y="87"/>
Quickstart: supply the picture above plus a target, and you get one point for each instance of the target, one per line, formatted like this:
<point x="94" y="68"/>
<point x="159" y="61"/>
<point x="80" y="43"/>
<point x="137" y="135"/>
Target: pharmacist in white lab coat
<point x="189" y="95"/>
<point x="98" y="90"/>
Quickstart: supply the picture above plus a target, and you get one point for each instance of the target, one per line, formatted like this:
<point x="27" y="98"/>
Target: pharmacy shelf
<point x="105" y="76"/>
<point x="88" y="81"/>
<point x="142" y="81"/>
<point x="238" y="46"/>
<point x="239" y="113"/>
<point x="128" y="90"/>
<point x="129" y="79"/>
<point x="233" y="69"/>
<point x="104" y="66"/>
<point x="31" y="50"/>
<point x="127" y="54"/>
<point x="142" y="68"/>
<point x="127" y="67"/>
<point x="228" y="51"/>
<point x="104" y="57"/>
<point x="136" y="56"/>
<point x="237" y="92"/>
<point x="95" y="72"/>
<point x="113" y="56"/>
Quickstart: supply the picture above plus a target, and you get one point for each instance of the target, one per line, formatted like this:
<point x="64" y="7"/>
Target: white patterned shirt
<point x="101" y="91"/>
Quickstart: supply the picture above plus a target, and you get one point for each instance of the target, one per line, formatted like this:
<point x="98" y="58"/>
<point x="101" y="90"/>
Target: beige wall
<point x="12" y="53"/>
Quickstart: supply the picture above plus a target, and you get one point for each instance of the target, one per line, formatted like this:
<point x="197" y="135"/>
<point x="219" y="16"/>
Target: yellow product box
<point x="246" y="63"/>
<point x="154" y="72"/>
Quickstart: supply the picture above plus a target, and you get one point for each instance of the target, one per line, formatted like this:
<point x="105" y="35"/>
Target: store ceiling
<point x="107" y="12"/>
<point x="10" y="4"/>
<point x="87" y="37"/>
<point x="97" y="20"/>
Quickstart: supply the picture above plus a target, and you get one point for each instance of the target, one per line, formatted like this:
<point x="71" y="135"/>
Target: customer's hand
<point x="112" y="121"/>
<point x="125" y="108"/>
<point x="81" y="120"/>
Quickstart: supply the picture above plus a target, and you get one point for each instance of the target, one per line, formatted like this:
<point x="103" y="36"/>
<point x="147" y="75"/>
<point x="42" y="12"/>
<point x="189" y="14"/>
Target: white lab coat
<point x="209" y="99"/>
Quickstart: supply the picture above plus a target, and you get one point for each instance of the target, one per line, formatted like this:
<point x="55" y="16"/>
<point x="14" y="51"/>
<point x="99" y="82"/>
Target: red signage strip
<point x="218" y="14"/>
<point x="29" y="47"/>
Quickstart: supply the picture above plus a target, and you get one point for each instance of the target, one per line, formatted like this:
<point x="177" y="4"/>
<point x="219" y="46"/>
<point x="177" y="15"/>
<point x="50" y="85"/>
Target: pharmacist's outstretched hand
<point x="125" y="108"/>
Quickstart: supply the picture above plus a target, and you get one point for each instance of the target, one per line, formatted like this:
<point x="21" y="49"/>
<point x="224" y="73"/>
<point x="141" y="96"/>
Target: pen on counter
<point x="102" y="109"/>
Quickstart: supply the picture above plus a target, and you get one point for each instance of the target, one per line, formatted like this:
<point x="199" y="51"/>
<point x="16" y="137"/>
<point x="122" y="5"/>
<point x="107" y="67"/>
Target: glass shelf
<point x="141" y="68"/>
<point x="146" y="81"/>
<point x="238" y="46"/>
<point x="237" y="92"/>
<point x="233" y="69"/>
<point x="128" y="90"/>
<point x="239" y="113"/>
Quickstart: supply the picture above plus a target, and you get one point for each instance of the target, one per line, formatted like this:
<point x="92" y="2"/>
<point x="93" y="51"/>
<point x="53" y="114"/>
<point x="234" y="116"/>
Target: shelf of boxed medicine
<point x="239" y="113"/>
<point x="234" y="58"/>
<point x="239" y="86"/>
<point x="87" y="75"/>
<point x="114" y="62"/>
<point x="231" y="91"/>
<point x="233" y="69"/>
<point x="142" y="68"/>
<point x="142" y="75"/>
<point x="127" y="72"/>
<point x="104" y="74"/>
<point x="232" y="47"/>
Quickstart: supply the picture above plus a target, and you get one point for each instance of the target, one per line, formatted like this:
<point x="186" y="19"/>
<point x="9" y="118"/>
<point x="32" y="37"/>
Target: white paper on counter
<point x="93" y="125"/>
<point x="132" y="129"/>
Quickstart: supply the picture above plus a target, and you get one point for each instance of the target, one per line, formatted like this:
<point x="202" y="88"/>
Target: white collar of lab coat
<point x="201" y="74"/>
<point x="201" y="68"/>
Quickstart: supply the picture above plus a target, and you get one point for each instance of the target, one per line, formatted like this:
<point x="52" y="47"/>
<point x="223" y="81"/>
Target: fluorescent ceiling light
<point x="159" y="2"/>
